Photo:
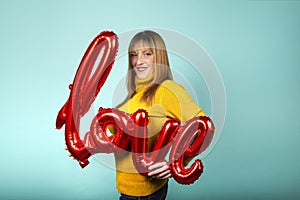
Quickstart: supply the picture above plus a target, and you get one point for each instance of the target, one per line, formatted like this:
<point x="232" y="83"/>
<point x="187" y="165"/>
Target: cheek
<point x="151" y="60"/>
<point x="152" y="68"/>
<point x="134" y="71"/>
<point x="133" y="62"/>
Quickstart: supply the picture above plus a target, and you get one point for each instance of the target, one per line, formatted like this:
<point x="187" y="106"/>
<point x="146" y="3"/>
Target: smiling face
<point x="142" y="60"/>
<point x="147" y="56"/>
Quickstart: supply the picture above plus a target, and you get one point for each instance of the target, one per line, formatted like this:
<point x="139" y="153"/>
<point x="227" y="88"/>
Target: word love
<point x="186" y="141"/>
<point x="131" y="134"/>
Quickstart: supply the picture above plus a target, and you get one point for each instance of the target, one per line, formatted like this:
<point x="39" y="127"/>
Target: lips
<point x="141" y="69"/>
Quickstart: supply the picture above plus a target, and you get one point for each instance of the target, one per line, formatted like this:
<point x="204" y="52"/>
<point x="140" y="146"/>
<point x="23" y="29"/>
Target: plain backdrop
<point x="254" y="44"/>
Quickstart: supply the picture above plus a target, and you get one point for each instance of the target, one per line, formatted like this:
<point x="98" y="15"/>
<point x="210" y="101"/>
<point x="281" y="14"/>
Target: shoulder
<point x="170" y="88"/>
<point x="171" y="85"/>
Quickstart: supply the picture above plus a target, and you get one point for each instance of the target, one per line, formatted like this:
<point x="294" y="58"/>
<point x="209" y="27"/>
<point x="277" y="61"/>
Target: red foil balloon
<point x="85" y="89"/>
<point x="97" y="140"/>
<point x="142" y="158"/>
<point x="191" y="139"/>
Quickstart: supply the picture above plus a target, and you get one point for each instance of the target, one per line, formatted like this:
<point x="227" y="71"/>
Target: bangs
<point x="142" y="40"/>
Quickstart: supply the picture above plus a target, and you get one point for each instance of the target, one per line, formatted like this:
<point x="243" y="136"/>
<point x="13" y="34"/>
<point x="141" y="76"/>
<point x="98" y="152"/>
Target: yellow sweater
<point x="170" y="101"/>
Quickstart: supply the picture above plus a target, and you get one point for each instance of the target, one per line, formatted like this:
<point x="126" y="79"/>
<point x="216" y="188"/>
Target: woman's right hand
<point x="160" y="170"/>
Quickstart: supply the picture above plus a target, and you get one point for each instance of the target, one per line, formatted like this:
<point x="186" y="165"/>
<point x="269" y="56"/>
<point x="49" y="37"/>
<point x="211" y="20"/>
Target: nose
<point x="140" y="59"/>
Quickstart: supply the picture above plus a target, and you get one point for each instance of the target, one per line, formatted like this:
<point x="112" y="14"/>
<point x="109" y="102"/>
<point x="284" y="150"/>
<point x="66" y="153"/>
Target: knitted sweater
<point x="170" y="101"/>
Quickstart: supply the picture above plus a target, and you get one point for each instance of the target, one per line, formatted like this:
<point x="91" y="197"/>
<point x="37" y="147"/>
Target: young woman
<point x="151" y="87"/>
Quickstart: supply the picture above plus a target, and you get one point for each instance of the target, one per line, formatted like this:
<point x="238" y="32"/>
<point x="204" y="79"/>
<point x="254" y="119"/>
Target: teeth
<point x="141" y="69"/>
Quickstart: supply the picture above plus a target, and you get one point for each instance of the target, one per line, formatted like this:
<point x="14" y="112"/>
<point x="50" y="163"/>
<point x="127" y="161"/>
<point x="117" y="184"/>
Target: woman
<point x="150" y="87"/>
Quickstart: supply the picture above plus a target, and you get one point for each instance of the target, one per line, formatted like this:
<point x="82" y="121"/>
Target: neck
<point x="141" y="83"/>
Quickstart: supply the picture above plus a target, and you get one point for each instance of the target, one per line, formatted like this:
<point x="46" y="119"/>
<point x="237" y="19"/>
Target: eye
<point x="148" y="54"/>
<point x="133" y="55"/>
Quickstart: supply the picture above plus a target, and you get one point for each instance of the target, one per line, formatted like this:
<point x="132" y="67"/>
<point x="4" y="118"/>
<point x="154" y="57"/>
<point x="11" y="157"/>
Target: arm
<point x="177" y="104"/>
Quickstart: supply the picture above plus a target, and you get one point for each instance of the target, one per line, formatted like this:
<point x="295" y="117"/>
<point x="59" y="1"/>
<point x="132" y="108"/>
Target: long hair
<point x="162" y="70"/>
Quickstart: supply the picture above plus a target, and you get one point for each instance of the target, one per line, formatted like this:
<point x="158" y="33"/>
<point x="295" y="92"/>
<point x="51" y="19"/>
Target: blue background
<point x="254" y="44"/>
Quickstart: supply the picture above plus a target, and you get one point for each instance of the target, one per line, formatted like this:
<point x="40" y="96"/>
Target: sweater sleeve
<point x="178" y="104"/>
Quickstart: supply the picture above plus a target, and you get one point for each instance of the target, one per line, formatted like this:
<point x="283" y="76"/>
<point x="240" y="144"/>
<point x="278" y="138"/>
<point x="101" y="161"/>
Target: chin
<point x="142" y="76"/>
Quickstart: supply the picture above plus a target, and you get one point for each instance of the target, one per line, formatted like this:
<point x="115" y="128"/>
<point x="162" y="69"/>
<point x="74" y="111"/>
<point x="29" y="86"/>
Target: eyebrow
<point x="143" y="50"/>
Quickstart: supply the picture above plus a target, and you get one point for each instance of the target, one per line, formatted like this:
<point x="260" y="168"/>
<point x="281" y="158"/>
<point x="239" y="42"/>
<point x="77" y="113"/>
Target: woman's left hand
<point x="160" y="170"/>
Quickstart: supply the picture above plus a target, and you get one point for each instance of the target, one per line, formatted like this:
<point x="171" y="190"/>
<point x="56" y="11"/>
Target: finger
<point x="158" y="170"/>
<point x="167" y="176"/>
<point x="66" y="148"/>
<point x="162" y="174"/>
<point x="157" y="165"/>
<point x="71" y="156"/>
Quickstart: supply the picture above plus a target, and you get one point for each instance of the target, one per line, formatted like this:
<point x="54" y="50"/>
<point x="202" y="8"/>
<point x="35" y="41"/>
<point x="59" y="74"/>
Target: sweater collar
<point x="140" y="84"/>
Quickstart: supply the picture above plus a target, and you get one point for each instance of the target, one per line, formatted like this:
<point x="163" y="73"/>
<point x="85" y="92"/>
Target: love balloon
<point x="131" y="133"/>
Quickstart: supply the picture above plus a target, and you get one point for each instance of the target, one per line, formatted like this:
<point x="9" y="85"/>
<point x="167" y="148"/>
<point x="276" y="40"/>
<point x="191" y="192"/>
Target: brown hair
<point x="162" y="70"/>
